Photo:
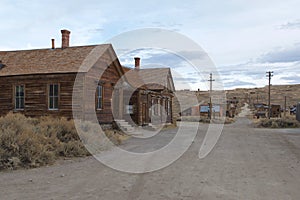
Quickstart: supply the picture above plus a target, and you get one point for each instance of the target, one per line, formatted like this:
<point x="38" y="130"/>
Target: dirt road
<point x="247" y="163"/>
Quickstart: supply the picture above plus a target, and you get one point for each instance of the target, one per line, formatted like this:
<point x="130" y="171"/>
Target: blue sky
<point x="244" y="39"/>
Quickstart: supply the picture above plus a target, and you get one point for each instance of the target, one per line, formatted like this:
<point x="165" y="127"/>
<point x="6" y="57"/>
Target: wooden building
<point x="261" y="110"/>
<point x="275" y="111"/>
<point x="148" y="95"/>
<point x="231" y="106"/>
<point x="43" y="82"/>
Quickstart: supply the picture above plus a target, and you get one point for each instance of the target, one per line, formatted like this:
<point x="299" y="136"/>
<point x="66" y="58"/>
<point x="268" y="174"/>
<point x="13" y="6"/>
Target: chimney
<point x="53" y="44"/>
<point x="65" y="38"/>
<point x="137" y="62"/>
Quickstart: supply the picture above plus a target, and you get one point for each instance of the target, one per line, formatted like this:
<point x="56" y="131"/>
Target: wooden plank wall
<point x="104" y="72"/>
<point x="36" y="94"/>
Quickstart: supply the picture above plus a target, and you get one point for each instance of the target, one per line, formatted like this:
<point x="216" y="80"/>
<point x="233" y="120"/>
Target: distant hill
<point x="278" y="93"/>
<point x="253" y="95"/>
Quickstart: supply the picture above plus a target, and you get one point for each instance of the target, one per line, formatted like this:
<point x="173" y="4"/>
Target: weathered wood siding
<point x="105" y="73"/>
<point x="36" y="94"/>
<point x="143" y="110"/>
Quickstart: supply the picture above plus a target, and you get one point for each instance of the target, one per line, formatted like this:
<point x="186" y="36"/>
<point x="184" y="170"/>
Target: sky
<point x="243" y="39"/>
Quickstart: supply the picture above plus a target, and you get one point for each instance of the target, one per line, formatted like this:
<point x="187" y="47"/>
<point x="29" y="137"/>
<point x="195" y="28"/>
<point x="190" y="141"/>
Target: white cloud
<point x="233" y="33"/>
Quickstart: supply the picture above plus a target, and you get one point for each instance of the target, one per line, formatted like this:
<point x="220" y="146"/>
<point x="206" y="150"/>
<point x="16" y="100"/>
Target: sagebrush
<point x="31" y="142"/>
<point x="278" y="123"/>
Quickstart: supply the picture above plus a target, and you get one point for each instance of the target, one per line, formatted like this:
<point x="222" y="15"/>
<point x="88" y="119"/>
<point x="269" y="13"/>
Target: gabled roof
<point x="151" y="78"/>
<point x="48" y="61"/>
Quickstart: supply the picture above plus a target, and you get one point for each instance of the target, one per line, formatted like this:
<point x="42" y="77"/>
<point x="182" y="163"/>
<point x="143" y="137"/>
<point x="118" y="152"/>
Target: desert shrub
<point x="15" y="122"/>
<point x="264" y="123"/>
<point x="20" y="146"/>
<point x="205" y="120"/>
<point x="190" y="118"/>
<point x="229" y="120"/>
<point x="278" y="123"/>
<point x="114" y="136"/>
<point x="274" y="124"/>
<point x="97" y="140"/>
<point x="61" y="128"/>
<point x="30" y="142"/>
<point x="63" y="137"/>
<point x="73" y="148"/>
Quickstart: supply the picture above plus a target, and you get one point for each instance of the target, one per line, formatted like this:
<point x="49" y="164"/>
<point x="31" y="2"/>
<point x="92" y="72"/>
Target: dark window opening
<point x="99" y="97"/>
<point x="19" y="97"/>
<point x="53" y="97"/>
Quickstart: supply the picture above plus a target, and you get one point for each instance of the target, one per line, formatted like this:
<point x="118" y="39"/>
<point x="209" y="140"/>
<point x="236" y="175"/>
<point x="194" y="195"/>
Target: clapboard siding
<point x="36" y="94"/>
<point x="104" y="72"/>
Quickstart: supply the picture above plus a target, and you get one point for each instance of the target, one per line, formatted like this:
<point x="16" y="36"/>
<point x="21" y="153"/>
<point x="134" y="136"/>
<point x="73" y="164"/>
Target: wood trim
<point x="48" y="97"/>
<point x="102" y="97"/>
<point x="14" y="97"/>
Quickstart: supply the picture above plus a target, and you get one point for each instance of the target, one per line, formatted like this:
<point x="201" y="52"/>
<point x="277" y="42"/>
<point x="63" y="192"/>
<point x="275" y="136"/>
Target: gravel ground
<point x="246" y="163"/>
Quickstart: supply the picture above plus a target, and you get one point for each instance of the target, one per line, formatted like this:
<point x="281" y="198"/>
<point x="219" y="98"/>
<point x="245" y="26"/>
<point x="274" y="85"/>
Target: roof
<point x="45" y="61"/>
<point x="259" y="105"/>
<point x="151" y="78"/>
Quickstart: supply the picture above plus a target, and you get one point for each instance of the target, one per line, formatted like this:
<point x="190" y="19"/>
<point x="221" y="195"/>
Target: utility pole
<point x="284" y="106"/>
<point x="269" y="75"/>
<point x="210" y="91"/>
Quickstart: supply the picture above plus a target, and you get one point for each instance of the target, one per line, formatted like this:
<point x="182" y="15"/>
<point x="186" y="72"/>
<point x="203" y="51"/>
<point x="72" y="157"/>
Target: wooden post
<point x="210" y="93"/>
<point x="269" y="75"/>
<point x="284" y="106"/>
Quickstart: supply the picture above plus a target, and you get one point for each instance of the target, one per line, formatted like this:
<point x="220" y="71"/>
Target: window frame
<point x="169" y="106"/>
<point x="53" y="96"/>
<point x="100" y="97"/>
<point x="15" y="97"/>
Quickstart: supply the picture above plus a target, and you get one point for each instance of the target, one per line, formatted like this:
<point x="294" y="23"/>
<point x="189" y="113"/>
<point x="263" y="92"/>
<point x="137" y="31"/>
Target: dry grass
<point x="169" y="126"/>
<point x="229" y="120"/>
<point x="206" y="120"/>
<point x="196" y="119"/>
<point x="287" y="122"/>
<point x="28" y="142"/>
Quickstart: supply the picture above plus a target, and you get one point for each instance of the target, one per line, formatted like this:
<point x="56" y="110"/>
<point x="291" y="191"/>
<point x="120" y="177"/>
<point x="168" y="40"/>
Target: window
<point x="129" y="109"/>
<point x="169" y="107"/>
<point x="99" y="97"/>
<point x="53" y="97"/>
<point x="158" y="107"/>
<point x="19" y="97"/>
